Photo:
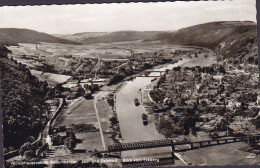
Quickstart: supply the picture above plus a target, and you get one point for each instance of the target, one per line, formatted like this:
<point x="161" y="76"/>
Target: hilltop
<point x="12" y="36"/>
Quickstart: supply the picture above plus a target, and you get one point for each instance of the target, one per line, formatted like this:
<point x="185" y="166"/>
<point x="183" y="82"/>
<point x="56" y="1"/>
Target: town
<point x="212" y="99"/>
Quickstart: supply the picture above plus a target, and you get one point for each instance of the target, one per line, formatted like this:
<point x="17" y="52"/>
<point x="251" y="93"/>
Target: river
<point x="130" y="117"/>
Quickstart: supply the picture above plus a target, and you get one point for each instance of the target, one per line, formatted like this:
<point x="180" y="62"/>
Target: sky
<point x="160" y="16"/>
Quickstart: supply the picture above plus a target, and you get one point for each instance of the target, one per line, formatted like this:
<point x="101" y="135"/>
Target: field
<point x="228" y="154"/>
<point x="50" y="77"/>
<point x="82" y="112"/>
<point x="79" y="61"/>
<point x="201" y="60"/>
<point x="55" y="52"/>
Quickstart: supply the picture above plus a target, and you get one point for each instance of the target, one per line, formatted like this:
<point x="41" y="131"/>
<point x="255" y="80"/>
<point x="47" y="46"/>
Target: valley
<point x="196" y="88"/>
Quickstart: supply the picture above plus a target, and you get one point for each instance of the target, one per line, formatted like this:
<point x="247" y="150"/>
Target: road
<point x="100" y="128"/>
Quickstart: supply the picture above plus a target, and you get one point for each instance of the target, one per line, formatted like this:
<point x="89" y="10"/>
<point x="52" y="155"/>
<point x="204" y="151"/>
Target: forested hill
<point x="208" y="34"/>
<point x="23" y="103"/>
<point x="234" y="40"/>
<point x="12" y="36"/>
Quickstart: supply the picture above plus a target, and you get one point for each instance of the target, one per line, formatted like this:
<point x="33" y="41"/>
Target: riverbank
<point x="129" y="114"/>
<point x="106" y="106"/>
<point x="114" y="129"/>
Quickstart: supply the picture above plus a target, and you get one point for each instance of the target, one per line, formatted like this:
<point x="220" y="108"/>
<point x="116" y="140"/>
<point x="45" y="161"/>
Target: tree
<point x="94" y="88"/>
<point x="38" y="152"/>
<point x="256" y="61"/>
<point x="222" y="70"/>
<point x="29" y="154"/>
<point x="25" y="147"/>
<point x="251" y="60"/>
<point x="223" y="125"/>
<point x="59" y="88"/>
<point x="70" y="143"/>
<point x="4" y="51"/>
<point x="80" y="91"/>
<point x="31" y="139"/>
<point x="204" y="103"/>
<point x="116" y="78"/>
<point x="113" y="120"/>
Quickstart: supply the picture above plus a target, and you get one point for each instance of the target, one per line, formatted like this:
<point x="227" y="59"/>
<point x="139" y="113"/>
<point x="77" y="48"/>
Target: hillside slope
<point x="206" y="35"/>
<point x="240" y="47"/>
<point x="23" y="103"/>
<point x="13" y="36"/>
<point x="232" y="39"/>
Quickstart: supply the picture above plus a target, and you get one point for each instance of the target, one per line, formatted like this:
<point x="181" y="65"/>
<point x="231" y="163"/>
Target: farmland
<point x="50" y="60"/>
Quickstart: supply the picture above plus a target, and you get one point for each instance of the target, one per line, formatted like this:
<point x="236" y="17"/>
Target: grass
<point x="82" y="112"/>
<point x="50" y="78"/>
<point x="227" y="154"/>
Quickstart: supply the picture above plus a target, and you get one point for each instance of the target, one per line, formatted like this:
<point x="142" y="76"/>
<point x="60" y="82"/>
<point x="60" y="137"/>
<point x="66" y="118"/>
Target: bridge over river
<point x="174" y="148"/>
<point x="170" y="142"/>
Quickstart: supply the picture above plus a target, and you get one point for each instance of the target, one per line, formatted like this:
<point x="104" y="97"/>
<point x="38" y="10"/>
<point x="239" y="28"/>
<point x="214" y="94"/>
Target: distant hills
<point x="106" y="37"/>
<point x="230" y="38"/>
<point x="208" y="35"/>
<point x="80" y="37"/>
<point x="12" y="36"/>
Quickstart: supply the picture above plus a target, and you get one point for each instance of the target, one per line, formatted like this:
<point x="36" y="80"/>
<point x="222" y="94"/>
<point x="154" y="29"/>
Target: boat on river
<point x="136" y="101"/>
<point x="153" y="79"/>
<point x="144" y="117"/>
